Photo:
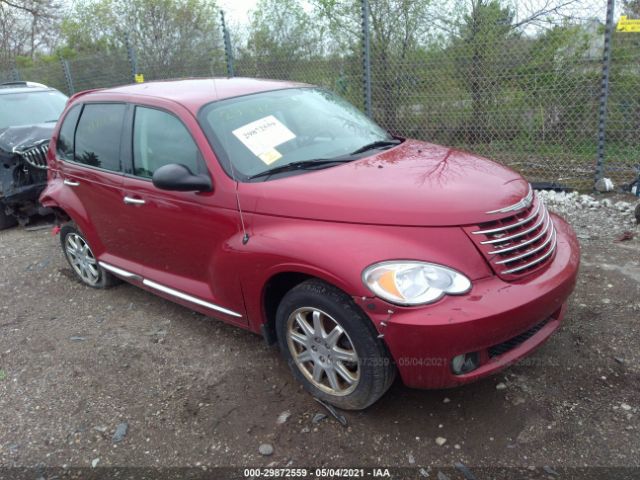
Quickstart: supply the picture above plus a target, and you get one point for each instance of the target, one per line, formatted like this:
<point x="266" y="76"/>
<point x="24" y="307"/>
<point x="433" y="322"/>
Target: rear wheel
<point x="81" y="259"/>
<point x="332" y="347"/>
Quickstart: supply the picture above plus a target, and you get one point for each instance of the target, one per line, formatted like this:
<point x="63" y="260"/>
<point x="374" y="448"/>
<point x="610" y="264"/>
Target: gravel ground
<point x="123" y="378"/>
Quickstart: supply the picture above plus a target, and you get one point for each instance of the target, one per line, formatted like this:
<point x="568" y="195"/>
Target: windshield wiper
<point x="376" y="144"/>
<point x="300" y="165"/>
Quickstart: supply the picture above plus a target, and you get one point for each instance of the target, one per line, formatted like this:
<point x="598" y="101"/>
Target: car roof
<point x="23" y="87"/>
<point x="196" y="92"/>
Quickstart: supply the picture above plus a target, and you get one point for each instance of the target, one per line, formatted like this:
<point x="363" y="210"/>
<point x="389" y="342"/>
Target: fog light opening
<point x="465" y="363"/>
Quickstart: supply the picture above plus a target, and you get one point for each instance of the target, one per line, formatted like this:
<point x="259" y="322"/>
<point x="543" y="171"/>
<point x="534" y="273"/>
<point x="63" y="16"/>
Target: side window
<point x="159" y="138"/>
<point x="97" y="141"/>
<point x="64" y="146"/>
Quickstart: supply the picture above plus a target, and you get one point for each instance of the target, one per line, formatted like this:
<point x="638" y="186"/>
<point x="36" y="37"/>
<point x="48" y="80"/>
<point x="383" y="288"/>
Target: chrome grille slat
<point x="512" y="225"/>
<point x="528" y="253"/>
<point x="35" y="156"/>
<point x="517" y="235"/>
<point x="531" y="240"/>
<point x="537" y="260"/>
<point x="518" y="244"/>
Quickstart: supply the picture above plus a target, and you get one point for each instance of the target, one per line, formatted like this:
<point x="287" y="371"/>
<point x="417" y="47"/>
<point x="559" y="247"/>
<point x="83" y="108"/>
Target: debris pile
<point x="590" y="216"/>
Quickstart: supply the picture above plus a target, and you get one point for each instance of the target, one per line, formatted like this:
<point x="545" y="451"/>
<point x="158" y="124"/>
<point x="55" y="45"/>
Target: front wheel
<point x="332" y="347"/>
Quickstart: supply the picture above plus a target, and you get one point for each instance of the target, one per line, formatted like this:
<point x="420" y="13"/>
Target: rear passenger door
<point x="90" y="148"/>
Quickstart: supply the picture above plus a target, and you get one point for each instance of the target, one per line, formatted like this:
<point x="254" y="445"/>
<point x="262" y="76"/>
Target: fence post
<point x="228" y="53"/>
<point x="67" y="76"/>
<point x="131" y="55"/>
<point x="15" y="73"/>
<point x="604" y="91"/>
<point x="366" y="57"/>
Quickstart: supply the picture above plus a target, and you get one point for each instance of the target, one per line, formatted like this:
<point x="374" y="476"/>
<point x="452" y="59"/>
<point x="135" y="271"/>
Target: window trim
<point x="75" y="131"/>
<point x="131" y="134"/>
<point x="79" y="106"/>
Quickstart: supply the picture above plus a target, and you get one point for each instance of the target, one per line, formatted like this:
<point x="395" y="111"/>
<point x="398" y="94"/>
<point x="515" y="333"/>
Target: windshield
<point x="29" y="108"/>
<point x="264" y="131"/>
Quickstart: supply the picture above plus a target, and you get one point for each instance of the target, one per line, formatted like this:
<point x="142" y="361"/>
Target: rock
<point x="501" y="386"/>
<point x="462" y="468"/>
<point x="121" y="432"/>
<point x="411" y="459"/>
<point x="622" y="206"/>
<point x="94" y="462"/>
<point x="604" y="185"/>
<point x="440" y="441"/>
<point x="266" y="449"/>
<point x="446" y="400"/>
<point x="283" y="417"/>
<point x="318" y="417"/>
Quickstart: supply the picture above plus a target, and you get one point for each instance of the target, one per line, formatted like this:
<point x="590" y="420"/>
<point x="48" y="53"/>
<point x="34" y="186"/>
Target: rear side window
<point x="64" y="147"/>
<point x="160" y="138"/>
<point x="97" y="140"/>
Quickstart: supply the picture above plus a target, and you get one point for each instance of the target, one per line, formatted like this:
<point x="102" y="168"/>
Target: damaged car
<point x="282" y="209"/>
<point x="28" y="113"/>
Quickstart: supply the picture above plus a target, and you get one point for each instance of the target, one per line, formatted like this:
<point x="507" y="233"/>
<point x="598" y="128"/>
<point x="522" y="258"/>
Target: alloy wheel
<point x="81" y="258"/>
<point x="323" y="351"/>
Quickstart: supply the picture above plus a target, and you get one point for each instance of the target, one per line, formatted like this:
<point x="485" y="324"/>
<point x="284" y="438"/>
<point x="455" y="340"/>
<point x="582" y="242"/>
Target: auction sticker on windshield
<point x="263" y="135"/>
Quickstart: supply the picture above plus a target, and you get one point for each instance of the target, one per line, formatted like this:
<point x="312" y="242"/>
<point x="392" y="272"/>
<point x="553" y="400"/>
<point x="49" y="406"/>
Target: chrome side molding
<point x="167" y="290"/>
<point x="189" y="298"/>
<point x="119" y="271"/>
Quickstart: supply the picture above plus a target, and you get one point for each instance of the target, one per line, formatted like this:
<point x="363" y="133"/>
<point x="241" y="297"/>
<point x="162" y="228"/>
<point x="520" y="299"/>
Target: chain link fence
<point x="532" y="101"/>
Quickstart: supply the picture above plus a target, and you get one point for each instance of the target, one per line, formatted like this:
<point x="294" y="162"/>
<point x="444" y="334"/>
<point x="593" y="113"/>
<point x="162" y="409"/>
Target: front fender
<point x="338" y="253"/>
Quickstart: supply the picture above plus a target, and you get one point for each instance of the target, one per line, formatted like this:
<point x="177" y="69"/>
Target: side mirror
<point x="179" y="178"/>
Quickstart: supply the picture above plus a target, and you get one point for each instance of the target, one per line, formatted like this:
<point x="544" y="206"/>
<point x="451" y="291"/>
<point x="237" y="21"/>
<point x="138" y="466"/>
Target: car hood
<point x="23" y="137"/>
<point x="413" y="184"/>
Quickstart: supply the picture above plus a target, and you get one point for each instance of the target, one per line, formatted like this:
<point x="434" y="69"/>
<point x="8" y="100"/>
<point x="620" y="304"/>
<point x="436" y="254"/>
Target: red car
<point x="282" y="209"/>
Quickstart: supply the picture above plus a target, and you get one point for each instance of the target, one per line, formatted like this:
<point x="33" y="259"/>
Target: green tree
<point x="279" y="32"/>
<point x="481" y="52"/>
<point x="27" y="28"/>
<point x="166" y="34"/>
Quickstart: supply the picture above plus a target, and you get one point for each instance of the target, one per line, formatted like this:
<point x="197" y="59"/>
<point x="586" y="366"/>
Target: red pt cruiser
<point x="282" y="209"/>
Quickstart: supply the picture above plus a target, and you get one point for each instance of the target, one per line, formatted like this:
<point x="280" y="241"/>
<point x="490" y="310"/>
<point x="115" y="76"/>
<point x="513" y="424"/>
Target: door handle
<point x="70" y="183"/>
<point x="133" y="201"/>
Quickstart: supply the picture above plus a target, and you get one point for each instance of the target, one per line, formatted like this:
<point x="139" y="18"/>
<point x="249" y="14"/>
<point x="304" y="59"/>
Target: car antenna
<point x="245" y="236"/>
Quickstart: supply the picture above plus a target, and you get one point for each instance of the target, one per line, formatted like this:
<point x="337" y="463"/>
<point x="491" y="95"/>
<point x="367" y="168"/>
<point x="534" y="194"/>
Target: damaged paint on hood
<point x="17" y="139"/>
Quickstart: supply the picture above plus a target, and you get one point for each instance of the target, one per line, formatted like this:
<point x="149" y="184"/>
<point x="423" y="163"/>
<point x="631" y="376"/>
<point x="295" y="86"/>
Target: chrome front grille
<point x="35" y="156"/>
<point x="518" y="244"/>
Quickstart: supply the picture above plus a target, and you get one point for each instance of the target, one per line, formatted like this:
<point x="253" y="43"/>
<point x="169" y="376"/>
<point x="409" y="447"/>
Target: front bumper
<point x="502" y="321"/>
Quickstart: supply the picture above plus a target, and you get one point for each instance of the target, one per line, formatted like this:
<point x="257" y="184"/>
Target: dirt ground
<point x="193" y="392"/>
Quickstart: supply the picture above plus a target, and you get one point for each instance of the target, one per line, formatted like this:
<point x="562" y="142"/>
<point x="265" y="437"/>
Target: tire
<point x="83" y="262"/>
<point x="345" y="332"/>
<point x="6" y="221"/>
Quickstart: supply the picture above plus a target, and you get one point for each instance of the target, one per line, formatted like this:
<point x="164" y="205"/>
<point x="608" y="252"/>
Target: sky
<point x="237" y="11"/>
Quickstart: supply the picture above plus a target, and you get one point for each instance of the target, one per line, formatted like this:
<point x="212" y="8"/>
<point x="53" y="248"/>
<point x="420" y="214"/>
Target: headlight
<point x="413" y="283"/>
